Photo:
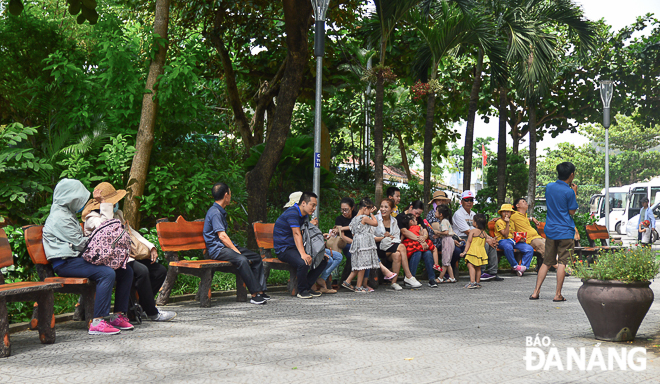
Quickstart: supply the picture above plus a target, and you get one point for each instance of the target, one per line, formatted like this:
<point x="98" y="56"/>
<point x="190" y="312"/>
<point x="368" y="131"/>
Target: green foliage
<point x="517" y="174"/>
<point x="20" y="170"/>
<point x="628" y="265"/>
<point x="294" y="171"/>
<point x="631" y="160"/>
<point x="180" y="180"/>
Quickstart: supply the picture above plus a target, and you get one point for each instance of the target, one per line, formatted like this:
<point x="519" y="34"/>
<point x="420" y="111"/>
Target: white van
<point x="650" y="189"/>
<point x="618" y="204"/>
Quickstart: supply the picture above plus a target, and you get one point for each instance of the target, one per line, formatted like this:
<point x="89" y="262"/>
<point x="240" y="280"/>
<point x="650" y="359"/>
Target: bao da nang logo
<point x="541" y="354"/>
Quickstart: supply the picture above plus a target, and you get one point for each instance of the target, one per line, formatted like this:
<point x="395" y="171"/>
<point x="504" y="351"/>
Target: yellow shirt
<point x="395" y="211"/>
<point x="522" y="224"/>
<point x="500" y="225"/>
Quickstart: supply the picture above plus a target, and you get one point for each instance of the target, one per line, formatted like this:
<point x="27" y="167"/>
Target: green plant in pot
<point x="615" y="293"/>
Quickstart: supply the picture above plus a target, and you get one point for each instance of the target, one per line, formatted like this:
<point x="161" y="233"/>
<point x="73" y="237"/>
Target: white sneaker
<point x="396" y="287"/>
<point x="412" y="282"/>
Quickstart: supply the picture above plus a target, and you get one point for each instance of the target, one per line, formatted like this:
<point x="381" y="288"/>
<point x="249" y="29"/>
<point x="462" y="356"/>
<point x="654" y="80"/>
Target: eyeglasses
<point x="469" y="200"/>
<point x="345" y="209"/>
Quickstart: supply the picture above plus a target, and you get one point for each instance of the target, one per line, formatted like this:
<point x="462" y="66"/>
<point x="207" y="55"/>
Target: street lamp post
<point x="320" y="7"/>
<point x="606" y="90"/>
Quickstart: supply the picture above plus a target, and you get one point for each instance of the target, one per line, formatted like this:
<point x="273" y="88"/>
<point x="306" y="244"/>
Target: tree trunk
<point x="501" y="150"/>
<point x="145" y="135"/>
<point x="428" y="145"/>
<point x="404" y="157"/>
<point x="469" y="131"/>
<point x="531" y="186"/>
<point x="297" y="17"/>
<point x="378" y="138"/>
<point x="515" y="130"/>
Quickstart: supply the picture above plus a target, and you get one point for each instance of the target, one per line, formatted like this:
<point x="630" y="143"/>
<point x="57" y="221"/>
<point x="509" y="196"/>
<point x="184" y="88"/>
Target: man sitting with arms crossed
<point x="288" y="244"/>
<point x="220" y="247"/>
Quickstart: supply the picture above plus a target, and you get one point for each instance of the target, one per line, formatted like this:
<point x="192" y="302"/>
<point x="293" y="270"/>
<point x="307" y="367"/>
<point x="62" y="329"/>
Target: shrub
<point x="628" y="265"/>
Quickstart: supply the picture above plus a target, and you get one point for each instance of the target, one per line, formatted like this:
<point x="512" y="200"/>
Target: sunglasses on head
<point x="469" y="200"/>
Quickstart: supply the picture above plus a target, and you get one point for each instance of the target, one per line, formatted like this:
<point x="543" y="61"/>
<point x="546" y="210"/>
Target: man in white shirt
<point x="462" y="223"/>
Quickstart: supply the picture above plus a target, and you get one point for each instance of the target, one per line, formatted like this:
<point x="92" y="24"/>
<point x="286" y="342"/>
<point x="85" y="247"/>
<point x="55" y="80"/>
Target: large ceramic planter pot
<point x="615" y="309"/>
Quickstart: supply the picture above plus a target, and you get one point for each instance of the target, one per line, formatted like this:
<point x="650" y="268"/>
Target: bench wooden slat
<point x="6" y="258"/>
<point x="272" y="260"/>
<point x="540" y="228"/>
<point x="34" y="243"/>
<point x="181" y="235"/>
<point x="199" y="263"/>
<point x="67" y="280"/>
<point x="264" y="235"/>
<point x="597" y="232"/>
<point x="26" y="287"/>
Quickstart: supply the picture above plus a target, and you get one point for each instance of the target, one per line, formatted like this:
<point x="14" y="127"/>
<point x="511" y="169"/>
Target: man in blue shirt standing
<point x="288" y="244"/>
<point x="561" y="200"/>
<point x="220" y="247"/>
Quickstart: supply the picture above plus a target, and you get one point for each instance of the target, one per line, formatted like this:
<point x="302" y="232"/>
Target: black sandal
<point x="531" y="297"/>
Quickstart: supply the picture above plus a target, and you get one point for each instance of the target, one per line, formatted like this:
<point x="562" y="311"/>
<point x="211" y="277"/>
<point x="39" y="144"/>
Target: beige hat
<point x="109" y="194"/>
<point x="438" y="195"/>
<point x="293" y="199"/>
<point x="506" y="208"/>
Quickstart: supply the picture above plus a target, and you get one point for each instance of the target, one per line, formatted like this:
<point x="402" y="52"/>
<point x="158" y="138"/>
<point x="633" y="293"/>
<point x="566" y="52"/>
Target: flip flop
<point x="560" y="300"/>
<point x="531" y="297"/>
<point x="390" y="277"/>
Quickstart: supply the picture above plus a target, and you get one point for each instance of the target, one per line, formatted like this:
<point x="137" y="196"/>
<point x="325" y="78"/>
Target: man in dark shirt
<point x="220" y="247"/>
<point x="288" y="244"/>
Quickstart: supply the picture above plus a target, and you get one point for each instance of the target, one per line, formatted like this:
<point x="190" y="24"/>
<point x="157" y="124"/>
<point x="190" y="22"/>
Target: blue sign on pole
<point x="317" y="160"/>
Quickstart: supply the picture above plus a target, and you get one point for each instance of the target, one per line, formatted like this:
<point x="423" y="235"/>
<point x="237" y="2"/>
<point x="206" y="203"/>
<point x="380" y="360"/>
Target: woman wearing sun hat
<point x="509" y="239"/>
<point x="438" y="198"/>
<point x="148" y="274"/>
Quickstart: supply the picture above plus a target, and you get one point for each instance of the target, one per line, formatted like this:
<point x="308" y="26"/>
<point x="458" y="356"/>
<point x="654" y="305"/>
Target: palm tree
<point x="533" y="58"/>
<point x="443" y="32"/>
<point x="380" y="28"/>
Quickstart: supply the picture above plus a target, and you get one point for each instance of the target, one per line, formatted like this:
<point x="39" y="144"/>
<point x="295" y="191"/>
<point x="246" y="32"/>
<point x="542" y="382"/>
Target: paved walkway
<point x="448" y="334"/>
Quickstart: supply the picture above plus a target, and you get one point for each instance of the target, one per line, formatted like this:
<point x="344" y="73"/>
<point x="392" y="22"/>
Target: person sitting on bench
<point x="148" y="274"/>
<point x="220" y="247"/>
<point x="63" y="242"/>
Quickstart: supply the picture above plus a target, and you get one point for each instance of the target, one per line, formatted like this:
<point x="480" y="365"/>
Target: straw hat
<point x="438" y="195"/>
<point x="293" y="199"/>
<point x="109" y="194"/>
<point x="506" y="208"/>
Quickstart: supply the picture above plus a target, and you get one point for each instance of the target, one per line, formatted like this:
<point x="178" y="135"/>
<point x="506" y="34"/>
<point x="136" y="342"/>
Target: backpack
<point x="313" y="242"/>
<point x="109" y="245"/>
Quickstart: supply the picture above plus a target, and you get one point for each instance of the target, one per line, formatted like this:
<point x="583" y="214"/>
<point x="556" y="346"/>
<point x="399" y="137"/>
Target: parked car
<point x="632" y="224"/>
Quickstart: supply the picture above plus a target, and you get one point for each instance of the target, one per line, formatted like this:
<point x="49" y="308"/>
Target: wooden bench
<point x="595" y="232"/>
<point x="185" y="235"/>
<point x="82" y="286"/>
<point x="38" y="291"/>
<point x="263" y="233"/>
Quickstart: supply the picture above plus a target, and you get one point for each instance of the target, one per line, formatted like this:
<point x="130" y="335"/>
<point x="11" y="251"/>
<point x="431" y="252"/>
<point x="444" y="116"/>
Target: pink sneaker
<point x="101" y="327"/>
<point x="120" y="321"/>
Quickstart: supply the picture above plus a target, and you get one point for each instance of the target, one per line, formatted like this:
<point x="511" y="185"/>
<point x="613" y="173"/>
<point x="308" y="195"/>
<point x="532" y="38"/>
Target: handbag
<point x="109" y="245"/>
<point x="519" y="237"/>
<point x="138" y="251"/>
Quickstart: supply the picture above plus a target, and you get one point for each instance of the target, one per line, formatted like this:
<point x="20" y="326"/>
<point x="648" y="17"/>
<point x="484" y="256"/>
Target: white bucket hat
<point x="293" y="199"/>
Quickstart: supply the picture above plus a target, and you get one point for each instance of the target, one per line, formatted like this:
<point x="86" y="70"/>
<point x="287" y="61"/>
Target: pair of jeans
<point x="105" y="278"/>
<point x="508" y="245"/>
<point x="416" y="257"/>
<point x="249" y="266"/>
<point x="148" y="277"/>
<point x="305" y="274"/>
<point x="334" y="258"/>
